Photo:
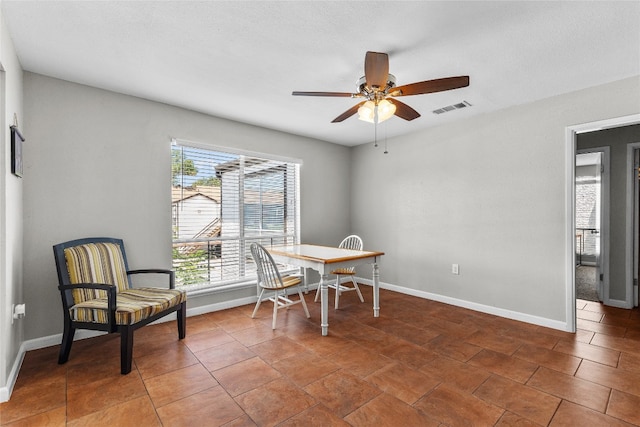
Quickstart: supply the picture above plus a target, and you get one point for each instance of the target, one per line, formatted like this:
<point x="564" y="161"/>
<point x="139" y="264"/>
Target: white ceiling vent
<point x="463" y="104"/>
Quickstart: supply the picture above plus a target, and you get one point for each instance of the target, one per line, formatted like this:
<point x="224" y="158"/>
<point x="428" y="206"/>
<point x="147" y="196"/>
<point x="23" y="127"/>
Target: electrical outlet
<point x="455" y="269"/>
<point x="19" y="311"/>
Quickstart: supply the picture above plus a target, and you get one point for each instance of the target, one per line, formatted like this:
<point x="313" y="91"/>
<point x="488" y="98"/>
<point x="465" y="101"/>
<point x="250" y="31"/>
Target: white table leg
<point x="324" y="304"/>
<point x="376" y="290"/>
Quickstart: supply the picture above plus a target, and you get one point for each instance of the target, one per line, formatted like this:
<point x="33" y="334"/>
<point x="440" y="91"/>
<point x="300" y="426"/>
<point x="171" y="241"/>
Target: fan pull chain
<point x="375" y="125"/>
<point x="385" y="140"/>
<point x="375" y="134"/>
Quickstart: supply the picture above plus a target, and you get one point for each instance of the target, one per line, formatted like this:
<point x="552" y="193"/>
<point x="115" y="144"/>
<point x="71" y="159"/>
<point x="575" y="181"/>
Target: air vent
<point x="463" y="104"/>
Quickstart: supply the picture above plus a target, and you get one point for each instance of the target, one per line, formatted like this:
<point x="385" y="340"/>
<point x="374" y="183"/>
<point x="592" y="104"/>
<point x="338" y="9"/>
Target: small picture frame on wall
<point x="16" y="151"/>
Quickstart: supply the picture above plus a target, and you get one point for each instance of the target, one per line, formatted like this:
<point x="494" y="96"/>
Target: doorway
<point x="570" y="230"/>
<point x="591" y="219"/>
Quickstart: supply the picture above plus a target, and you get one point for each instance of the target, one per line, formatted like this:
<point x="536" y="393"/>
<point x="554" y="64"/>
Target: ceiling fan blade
<point x="350" y="112"/>
<point x="376" y="69"/>
<point x="336" y="94"/>
<point x="430" y="86"/>
<point x="404" y="111"/>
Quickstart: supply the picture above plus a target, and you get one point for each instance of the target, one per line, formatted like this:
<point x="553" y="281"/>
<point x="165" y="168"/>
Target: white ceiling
<point x="241" y="60"/>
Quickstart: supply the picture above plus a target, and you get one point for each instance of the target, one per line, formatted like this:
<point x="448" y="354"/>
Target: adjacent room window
<point x="221" y="202"/>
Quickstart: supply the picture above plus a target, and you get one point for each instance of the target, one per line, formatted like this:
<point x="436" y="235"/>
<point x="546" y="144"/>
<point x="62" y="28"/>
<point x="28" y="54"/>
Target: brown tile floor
<point x="421" y="363"/>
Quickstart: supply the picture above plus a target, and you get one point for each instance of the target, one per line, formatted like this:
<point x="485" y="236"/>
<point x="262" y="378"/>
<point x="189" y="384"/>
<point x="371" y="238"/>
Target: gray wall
<point x="98" y="163"/>
<point x="488" y="193"/>
<point x="11" y="222"/>
<point x="617" y="139"/>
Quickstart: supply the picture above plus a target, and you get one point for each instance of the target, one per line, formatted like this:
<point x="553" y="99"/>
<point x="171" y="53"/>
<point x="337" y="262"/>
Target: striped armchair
<point x="97" y="294"/>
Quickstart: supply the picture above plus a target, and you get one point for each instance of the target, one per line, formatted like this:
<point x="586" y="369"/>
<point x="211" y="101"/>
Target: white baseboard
<point x="203" y="309"/>
<point x="509" y="314"/>
<point x="80" y="334"/>
<point x="34" y="344"/>
<point x="617" y="303"/>
<point x="5" y="392"/>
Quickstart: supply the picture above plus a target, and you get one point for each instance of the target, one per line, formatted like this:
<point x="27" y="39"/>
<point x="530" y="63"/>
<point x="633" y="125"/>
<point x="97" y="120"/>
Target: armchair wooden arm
<point x="67" y="300"/>
<point x="171" y="273"/>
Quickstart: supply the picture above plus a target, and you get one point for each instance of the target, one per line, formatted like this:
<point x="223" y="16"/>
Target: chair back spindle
<point x="268" y="274"/>
<point x="352" y="242"/>
<point x="269" y="279"/>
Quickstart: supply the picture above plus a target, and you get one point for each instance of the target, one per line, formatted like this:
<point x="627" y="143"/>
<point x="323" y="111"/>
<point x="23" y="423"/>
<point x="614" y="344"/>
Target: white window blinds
<point x="221" y="203"/>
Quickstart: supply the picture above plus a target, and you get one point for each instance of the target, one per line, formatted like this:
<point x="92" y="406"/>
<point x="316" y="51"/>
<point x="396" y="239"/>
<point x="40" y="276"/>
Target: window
<point x="222" y="202"/>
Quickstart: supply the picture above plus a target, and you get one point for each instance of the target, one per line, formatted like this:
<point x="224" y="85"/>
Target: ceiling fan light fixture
<point x="378" y="87"/>
<point x="386" y="109"/>
<point x="367" y="111"/>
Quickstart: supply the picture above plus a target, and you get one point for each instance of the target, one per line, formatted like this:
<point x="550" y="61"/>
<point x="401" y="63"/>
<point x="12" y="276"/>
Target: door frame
<point x="571" y="135"/>
<point x="631" y="223"/>
<point x="605" y="204"/>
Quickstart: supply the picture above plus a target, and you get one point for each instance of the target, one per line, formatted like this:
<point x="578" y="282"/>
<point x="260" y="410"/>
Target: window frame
<point x="244" y="239"/>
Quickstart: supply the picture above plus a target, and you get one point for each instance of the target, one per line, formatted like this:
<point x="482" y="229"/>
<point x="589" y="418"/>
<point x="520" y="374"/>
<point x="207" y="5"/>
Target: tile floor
<point x="422" y="363"/>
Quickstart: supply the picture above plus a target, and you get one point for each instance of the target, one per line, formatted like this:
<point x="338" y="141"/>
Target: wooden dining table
<point x="325" y="259"/>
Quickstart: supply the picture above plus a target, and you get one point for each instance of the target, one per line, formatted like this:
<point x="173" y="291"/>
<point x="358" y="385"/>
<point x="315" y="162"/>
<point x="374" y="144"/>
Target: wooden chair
<point x="349" y="242"/>
<point x="97" y="294"/>
<point x="269" y="279"/>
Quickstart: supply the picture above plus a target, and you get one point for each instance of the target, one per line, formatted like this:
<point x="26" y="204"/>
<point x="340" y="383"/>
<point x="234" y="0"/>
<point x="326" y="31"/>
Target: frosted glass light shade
<point x="366" y="112"/>
<point x="384" y="110"/>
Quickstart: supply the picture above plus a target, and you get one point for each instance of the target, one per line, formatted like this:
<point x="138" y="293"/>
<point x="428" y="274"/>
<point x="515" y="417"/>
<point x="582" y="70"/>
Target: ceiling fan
<point x="379" y="90"/>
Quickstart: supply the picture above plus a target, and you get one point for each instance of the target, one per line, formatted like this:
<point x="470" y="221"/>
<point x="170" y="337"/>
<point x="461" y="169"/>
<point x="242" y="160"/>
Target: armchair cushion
<point x="132" y="306"/>
<point x="95" y="263"/>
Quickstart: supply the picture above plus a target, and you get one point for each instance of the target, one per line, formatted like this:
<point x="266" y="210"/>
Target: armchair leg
<point x="67" y="340"/>
<point x="182" y="320"/>
<point x="126" y="349"/>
